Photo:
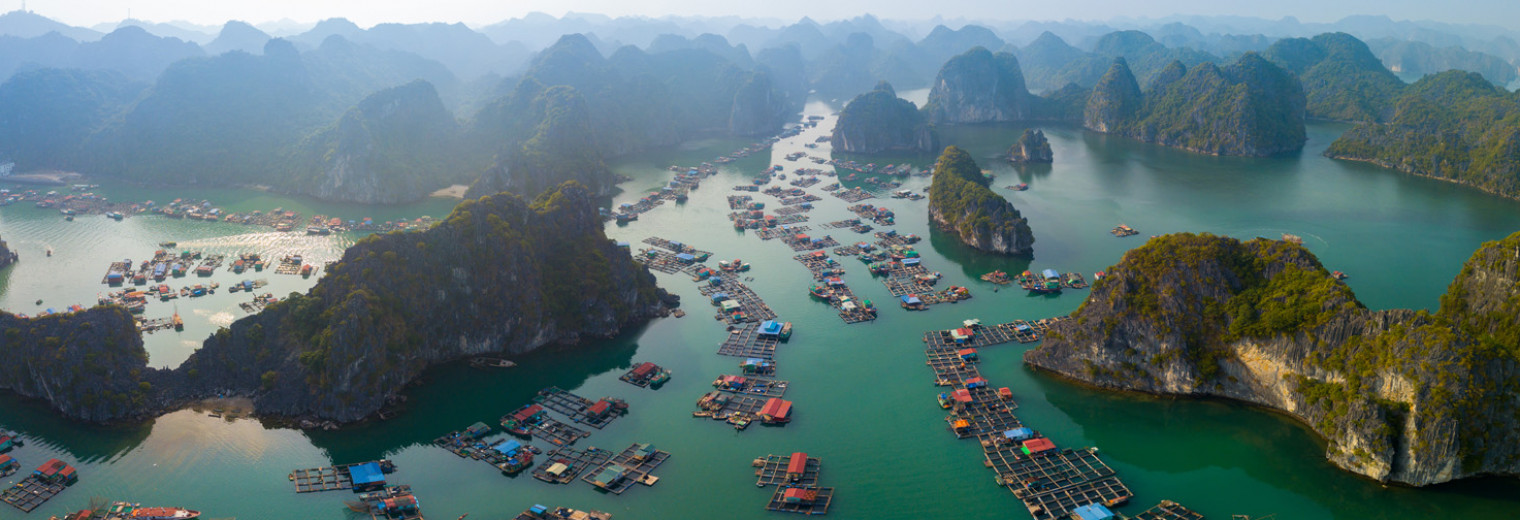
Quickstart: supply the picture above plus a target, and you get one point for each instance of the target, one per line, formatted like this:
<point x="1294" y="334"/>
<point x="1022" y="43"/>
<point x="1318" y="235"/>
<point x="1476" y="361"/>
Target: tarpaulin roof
<point x="509" y="447"/>
<point x="366" y="473"/>
<point x="1092" y="512"/>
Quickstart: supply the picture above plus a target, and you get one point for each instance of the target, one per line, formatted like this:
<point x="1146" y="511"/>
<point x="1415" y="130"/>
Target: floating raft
<point x="985" y="336"/>
<point x="636" y="469"/>
<point x="661" y="260"/>
<point x="573" y="406"/>
<point x="1168" y="510"/>
<point x="819" y="505"/>
<point x="575" y="461"/>
<point x="1058" y="504"/>
<point x="331" y="478"/>
<point x="854" y="195"/>
<point x="842" y="224"/>
<point x="838" y="294"/>
<point x="819" y="264"/>
<point x="560" y="513"/>
<point x="792" y="210"/>
<point x="810" y="244"/>
<point x="376" y="502"/>
<point x="757" y="386"/>
<point x="754" y="309"/>
<point x="557" y="433"/>
<point x="31" y="493"/>
<point x="734" y="403"/>
<point x="770" y="470"/>
<point x="780" y="232"/>
<point x="678" y="247"/>
<point x="793" y="201"/>
<point x="745" y="341"/>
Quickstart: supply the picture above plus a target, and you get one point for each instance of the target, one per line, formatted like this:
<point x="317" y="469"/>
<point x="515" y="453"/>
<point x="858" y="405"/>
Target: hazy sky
<point x="478" y="12"/>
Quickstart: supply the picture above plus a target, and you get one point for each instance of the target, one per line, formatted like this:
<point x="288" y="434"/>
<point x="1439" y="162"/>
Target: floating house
<point x="367" y="476"/>
<point x="1033" y="446"/>
<point x="968" y="354"/>
<point x="609" y="477"/>
<point x="601" y="409"/>
<point x="755" y="366"/>
<point x="8" y="465"/>
<point x="776" y="411"/>
<point x="55" y="471"/>
<point x="799" y="496"/>
<point x="796" y="467"/>
<point x="911" y="302"/>
<point x="961" y="396"/>
<point x="976" y="382"/>
<point x="1018" y="434"/>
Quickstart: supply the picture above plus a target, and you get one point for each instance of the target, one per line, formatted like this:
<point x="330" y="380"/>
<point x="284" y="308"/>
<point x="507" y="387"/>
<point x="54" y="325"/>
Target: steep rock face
<point x="7" y="257"/>
<point x="879" y="121"/>
<point x="979" y="87"/>
<point x="1031" y="148"/>
<point x="499" y="275"/>
<point x="1114" y="101"/>
<point x="960" y="202"/>
<point x="759" y="108"/>
<point x="1342" y="79"/>
<point x="550" y="143"/>
<point x="88" y="365"/>
<point x="1454" y="126"/>
<point x="1251" y="108"/>
<point x="394" y="146"/>
<point x="1402" y="396"/>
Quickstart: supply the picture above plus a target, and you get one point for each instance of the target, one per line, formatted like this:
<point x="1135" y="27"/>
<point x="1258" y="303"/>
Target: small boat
<point x="306" y="271"/>
<point x="1339" y="275"/>
<point x="945" y="401"/>
<point x="168" y="244"/>
<point x="1021" y="186"/>
<point x="317" y="230"/>
<point x="164" y="513"/>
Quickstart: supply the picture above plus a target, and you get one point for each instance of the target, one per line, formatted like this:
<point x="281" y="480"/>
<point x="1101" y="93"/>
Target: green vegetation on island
<point x="1454" y="126"/>
<point x="1404" y="396"/>
<point x="1250" y="108"/>
<point x="961" y="203"/>
<point x="879" y="121"/>
<point x="1342" y="80"/>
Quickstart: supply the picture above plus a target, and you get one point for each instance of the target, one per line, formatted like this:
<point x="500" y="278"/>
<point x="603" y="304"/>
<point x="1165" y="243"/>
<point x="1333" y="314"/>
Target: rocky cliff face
<point x="500" y="275"/>
<point x="1402" y="396"/>
<point x="879" y="121"/>
<point x="87" y="365"/>
<point x="979" y="87"/>
<point x="397" y="145"/>
<point x="961" y="203"/>
<point x="1114" y="100"/>
<point x="1031" y="148"/>
<point x="1250" y="108"/>
<point x="552" y="142"/>
<point x="7" y="257"/>
<point x="759" y="107"/>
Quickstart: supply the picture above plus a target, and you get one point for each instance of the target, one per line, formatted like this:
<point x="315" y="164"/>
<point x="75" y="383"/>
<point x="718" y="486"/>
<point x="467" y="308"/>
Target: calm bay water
<point x="863" y="397"/>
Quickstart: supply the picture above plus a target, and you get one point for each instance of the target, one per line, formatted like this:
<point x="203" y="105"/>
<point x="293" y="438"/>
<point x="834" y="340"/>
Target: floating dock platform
<point x="331" y="478"/>
<point x="770" y="470"/>
<point x="745" y="341"/>
<point x="31" y="493"/>
<point x="577" y="408"/>
<point x="576" y="462"/>
<point x="818" y="504"/>
<point x="1168" y="510"/>
<point x="637" y="468"/>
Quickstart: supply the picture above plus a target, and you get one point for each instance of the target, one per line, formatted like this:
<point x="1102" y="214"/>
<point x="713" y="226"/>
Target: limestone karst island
<point x="581" y="260"/>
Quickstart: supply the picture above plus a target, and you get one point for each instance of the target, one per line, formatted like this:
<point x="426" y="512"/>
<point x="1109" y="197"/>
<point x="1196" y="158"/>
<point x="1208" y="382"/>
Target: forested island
<point x="1404" y="396"/>
<point x="961" y="203"/>
<point x="879" y="121"/>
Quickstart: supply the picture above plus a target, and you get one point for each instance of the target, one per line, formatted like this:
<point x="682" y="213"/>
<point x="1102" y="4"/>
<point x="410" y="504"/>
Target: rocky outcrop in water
<point x="87" y="365"/>
<point x="393" y="147"/>
<point x="1031" y="148"/>
<point x="1402" y="396"/>
<point x="879" y="121"/>
<point x="961" y="203"/>
<point x="7" y="257"/>
<point x="979" y="87"/>
<point x="500" y="275"/>
<point x="1250" y="108"/>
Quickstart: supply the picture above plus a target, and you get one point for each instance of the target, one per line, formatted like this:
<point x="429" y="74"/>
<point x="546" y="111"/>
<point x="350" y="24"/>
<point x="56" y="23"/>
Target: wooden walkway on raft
<point x="854" y="195"/>
<point x="31" y="493"/>
<point x="659" y="260"/>
<point x="1168" y="510"/>
<point x="573" y="406"/>
<point x="820" y="264"/>
<point x="734" y="403"/>
<point x="1052" y="483"/>
<point x="812" y="245"/>
<point x="376" y="502"/>
<point x="986" y="336"/>
<point x="638" y="470"/>
<point x="557" y="433"/>
<point x="779" y="232"/>
<point x="793" y="201"/>
<point x="819" y="505"/>
<point x="576" y="462"/>
<point x="671" y="245"/>
<point x="837" y="295"/>
<point x="755" y="310"/>
<point x="330" y="478"/>
<point x="759" y="386"/>
<point x="842" y="224"/>
<point x="746" y="342"/>
<point x="793" y="210"/>
<point x="770" y="470"/>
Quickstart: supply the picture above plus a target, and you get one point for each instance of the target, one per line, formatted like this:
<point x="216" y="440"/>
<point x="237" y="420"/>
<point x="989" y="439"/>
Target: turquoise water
<point x="864" y="402"/>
